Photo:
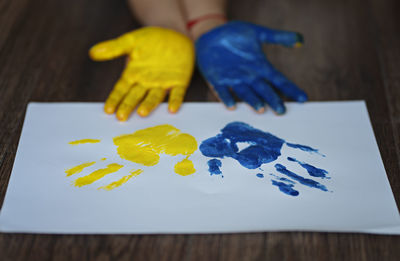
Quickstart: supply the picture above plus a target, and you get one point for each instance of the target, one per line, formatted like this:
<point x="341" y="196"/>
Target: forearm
<point x="198" y="8"/>
<point x="162" y="13"/>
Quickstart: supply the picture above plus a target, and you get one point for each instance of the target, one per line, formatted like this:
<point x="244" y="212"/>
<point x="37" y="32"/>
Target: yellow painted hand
<point x="159" y="60"/>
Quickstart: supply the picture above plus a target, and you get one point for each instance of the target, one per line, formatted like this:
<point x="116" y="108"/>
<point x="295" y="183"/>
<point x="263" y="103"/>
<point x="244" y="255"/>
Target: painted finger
<point x="279" y="81"/>
<point x="224" y="95"/>
<point x="121" y="88"/>
<point x="112" y="48"/>
<point x="130" y="102"/>
<point x="246" y="94"/>
<point x="152" y="100"/>
<point x="175" y="100"/>
<point x="264" y="90"/>
<point x="285" y="38"/>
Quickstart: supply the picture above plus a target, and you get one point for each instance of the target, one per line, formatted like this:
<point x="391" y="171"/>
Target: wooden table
<point x="352" y="52"/>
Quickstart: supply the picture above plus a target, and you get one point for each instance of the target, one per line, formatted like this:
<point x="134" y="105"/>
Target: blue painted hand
<point x="231" y="57"/>
<point x="263" y="147"/>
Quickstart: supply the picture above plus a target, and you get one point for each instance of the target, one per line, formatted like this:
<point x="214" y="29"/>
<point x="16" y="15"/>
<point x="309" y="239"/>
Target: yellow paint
<point x="78" y="168"/>
<point x="184" y="167"/>
<point x="103" y="159"/>
<point x="298" y="45"/>
<point x="121" y="181"/>
<point x="160" y="59"/>
<point x="76" y="142"/>
<point x="96" y="175"/>
<point x="144" y="146"/>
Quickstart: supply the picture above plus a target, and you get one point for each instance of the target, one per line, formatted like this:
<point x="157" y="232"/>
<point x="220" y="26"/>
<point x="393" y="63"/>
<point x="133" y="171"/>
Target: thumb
<point x="113" y="48"/>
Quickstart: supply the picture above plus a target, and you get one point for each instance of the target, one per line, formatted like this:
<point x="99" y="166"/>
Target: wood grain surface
<point x="352" y="51"/>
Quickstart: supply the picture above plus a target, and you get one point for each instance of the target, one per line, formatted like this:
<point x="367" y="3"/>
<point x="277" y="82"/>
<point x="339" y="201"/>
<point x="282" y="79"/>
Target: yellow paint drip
<point x="121" y="181"/>
<point x="96" y="175"/>
<point x="76" y="142"/>
<point x="184" y="167"/>
<point x="78" y="168"/>
<point x="144" y="146"/>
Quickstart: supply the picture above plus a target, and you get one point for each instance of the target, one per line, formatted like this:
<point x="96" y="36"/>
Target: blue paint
<point x="313" y="171"/>
<point x="307" y="182"/>
<point x="213" y="166"/>
<point x="231" y="57"/>
<point x="304" y="148"/>
<point x="283" y="179"/>
<point x="286" y="188"/>
<point x="262" y="148"/>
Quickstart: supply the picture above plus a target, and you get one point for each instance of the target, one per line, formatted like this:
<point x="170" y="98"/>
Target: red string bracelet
<point x="194" y="21"/>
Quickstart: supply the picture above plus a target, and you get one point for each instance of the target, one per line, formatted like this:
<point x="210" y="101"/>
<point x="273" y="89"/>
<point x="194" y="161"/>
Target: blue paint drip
<point x="308" y="182"/>
<point x="304" y="148"/>
<point x="286" y="188"/>
<point x="260" y="175"/>
<point x="213" y="166"/>
<point x="313" y="171"/>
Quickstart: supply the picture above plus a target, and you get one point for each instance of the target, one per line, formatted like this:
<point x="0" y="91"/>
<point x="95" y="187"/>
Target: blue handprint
<point x="263" y="147"/>
<point x="230" y="57"/>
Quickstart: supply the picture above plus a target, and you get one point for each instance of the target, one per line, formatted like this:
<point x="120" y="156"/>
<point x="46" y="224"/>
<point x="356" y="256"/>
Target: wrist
<point x="173" y="25"/>
<point x="166" y="14"/>
<point x="204" y="15"/>
<point x="202" y="24"/>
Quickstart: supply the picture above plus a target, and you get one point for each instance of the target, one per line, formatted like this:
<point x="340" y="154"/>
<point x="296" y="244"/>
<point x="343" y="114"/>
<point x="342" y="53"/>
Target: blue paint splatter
<point x="313" y="171"/>
<point x="286" y="188"/>
<point x="308" y="182"/>
<point x="260" y="175"/>
<point x="213" y="166"/>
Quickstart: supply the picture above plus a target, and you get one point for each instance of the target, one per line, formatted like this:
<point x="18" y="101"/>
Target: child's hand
<point x="230" y="57"/>
<point x="159" y="60"/>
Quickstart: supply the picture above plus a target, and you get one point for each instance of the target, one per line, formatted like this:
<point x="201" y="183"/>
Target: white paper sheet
<point x="41" y="199"/>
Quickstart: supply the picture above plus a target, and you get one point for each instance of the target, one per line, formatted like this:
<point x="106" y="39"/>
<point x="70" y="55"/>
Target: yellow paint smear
<point x="76" y="142"/>
<point x="145" y="146"/>
<point x="121" y="181"/>
<point x="184" y="167"/>
<point x="96" y="175"/>
<point x="78" y="168"/>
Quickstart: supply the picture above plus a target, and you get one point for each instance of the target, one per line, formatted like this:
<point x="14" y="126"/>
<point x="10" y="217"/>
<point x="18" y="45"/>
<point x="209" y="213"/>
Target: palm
<point x="159" y="60"/>
<point x="231" y="57"/>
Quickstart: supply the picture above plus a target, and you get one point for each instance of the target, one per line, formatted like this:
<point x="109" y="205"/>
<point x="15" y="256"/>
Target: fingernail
<point x="109" y="110"/>
<point x="173" y="109"/>
<point x="302" y="98"/>
<point x="121" y="118"/>
<point x="298" y="45"/>
<point x="280" y="110"/>
<point x="261" y="110"/>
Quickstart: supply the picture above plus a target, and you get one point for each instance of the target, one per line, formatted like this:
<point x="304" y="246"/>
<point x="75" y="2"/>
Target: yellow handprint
<point x="159" y="60"/>
<point x="142" y="147"/>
